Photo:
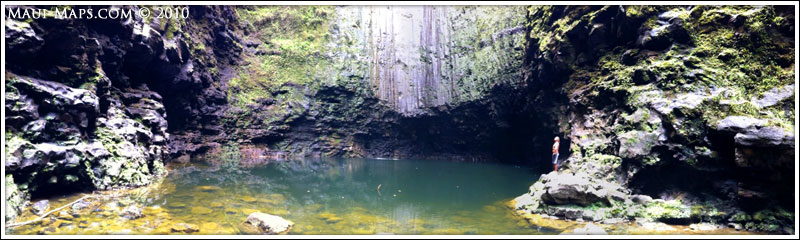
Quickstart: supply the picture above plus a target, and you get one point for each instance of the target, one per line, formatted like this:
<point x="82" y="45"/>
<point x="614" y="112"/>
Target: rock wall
<point x="426" y="56"/>
<point x="666" y="102"/>
<point x="676" y="114"/>
<point x="91" y="103"/>
<point x="430" y="82"/>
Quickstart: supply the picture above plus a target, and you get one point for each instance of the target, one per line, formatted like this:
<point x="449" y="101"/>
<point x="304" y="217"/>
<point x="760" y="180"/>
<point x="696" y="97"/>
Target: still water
<point x="328" y="196"/>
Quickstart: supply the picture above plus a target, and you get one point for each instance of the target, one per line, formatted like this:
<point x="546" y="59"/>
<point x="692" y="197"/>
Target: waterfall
<point x="409" y="50"/>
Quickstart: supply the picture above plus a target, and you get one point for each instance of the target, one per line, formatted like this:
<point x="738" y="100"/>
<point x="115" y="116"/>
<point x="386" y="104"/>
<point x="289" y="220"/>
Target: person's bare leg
<point x="555" y="167"/>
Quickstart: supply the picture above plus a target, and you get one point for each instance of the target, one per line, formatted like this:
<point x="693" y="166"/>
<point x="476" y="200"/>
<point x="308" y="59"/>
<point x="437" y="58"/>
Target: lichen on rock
<point x="682" y="91"/>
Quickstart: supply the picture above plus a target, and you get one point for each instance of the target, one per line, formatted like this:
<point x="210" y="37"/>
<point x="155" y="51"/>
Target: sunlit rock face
<point x="426" y="56"/>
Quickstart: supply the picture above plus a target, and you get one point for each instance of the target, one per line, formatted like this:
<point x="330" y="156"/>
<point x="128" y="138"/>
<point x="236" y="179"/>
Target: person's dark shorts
<point x="555" y="158"/>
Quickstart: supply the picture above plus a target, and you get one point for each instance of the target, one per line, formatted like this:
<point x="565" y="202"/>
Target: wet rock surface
<point x="687" y="147"/>
<point x="40" y="207"/>
<point x="588" y="229"/>
<point x="88" y="102"/>
<point x="269" y="224"/>
<point x="132" y="212"/>
<point x="184" y="228"/>
<point x="560" y="189"/>
<point x="687" y="108"/>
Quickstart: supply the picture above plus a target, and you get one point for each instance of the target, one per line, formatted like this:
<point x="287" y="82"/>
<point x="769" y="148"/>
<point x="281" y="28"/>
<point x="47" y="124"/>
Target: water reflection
<point x="325" y="196"/>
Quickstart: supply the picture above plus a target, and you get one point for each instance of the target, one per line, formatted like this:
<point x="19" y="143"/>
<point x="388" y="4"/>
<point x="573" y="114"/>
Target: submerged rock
<point x="184" y="228"/>
<point x="249" y="199"/>
<point x="269" y="224"/>
<point x="216" y="205"/>
<point x="132" y="212"/>
<point x="207" y="188"/>
<point x="329" y="217"/>
<point x="201" y="210"/>
<point x="211" y="227"/>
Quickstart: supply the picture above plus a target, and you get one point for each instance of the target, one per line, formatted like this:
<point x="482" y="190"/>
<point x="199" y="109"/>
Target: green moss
<point x="172" y="28"/>
<point x="13" y="142"/>
<point x="607" y="160"/>
<point x="706" y="212"/>
<point x="639" y="11"/>
<point x="659" y="209"/>
<point x="754" y="55"/>
<point x="15" y="199"/>
<point x="296" y="36"/>
<point x="746" y="63"/>
<point x="740" y="217"/>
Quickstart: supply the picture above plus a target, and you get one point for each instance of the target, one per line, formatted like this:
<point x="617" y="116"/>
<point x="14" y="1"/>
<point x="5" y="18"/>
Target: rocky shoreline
<point x="674" y="114"/>
<point x="657" y="132"/>
<point x="577" y="197"/>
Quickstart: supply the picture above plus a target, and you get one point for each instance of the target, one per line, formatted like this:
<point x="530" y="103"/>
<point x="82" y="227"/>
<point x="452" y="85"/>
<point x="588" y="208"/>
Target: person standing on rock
<point x="555" y="154"/>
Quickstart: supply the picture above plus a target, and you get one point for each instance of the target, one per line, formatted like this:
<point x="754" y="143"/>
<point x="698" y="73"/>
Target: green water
<point x="332" y="196"/>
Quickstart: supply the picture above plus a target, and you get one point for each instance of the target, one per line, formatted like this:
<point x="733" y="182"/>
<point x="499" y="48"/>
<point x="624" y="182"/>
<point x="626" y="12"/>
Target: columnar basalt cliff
<point x="677" y="114"/>
<point x="365" y="81"/>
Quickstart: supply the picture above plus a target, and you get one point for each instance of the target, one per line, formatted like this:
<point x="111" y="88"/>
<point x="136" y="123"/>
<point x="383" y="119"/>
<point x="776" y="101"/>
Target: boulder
<point x="40" y="207"/>
<point x="579" y="188"/>
<point x="588" y="229"/>
<point x="704" y="227"/>
<point x="269" y="224"/>
<point x="80" y="205"/>
<point x="655" y="226"/>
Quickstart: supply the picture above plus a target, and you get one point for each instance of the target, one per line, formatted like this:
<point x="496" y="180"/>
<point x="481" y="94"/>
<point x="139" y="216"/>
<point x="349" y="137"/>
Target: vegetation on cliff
<point x="87" y="102"/>
<point x="676" y="114"/>
<point x="315" y="79"/>
<point x="656" y="96"/>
